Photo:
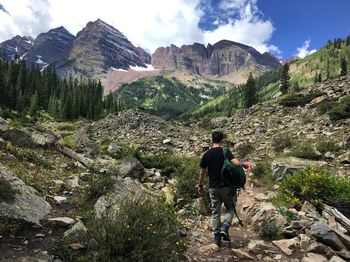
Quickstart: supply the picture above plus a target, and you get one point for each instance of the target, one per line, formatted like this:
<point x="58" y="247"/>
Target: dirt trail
<point x="202" y="249"/>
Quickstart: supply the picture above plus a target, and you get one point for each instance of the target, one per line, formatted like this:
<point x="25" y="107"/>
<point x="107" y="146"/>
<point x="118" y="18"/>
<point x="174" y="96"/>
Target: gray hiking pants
<point x="218" y="196"/>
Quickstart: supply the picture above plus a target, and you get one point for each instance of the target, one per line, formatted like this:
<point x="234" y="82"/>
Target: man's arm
<point x="201" y="181"/>
<point x="235" y="161"/>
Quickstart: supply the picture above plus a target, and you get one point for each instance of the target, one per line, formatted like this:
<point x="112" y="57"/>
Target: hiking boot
<point x="217" y="239"/>
<point x="224" y="232"/>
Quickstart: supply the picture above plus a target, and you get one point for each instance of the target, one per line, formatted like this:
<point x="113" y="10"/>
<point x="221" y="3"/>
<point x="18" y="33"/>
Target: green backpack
<point x="233" y="175"/>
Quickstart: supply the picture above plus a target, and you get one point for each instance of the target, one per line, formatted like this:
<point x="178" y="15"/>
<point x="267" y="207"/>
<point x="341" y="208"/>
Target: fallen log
<point x="72" y="154"/>
<point x="339" y="217"/>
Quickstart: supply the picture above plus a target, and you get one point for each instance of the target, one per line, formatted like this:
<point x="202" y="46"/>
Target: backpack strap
<point x="240" y="222"/>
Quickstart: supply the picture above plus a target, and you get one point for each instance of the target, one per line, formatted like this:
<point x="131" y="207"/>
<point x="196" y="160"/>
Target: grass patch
<point x="326" y="145"/>
<point x="66" y="127"/>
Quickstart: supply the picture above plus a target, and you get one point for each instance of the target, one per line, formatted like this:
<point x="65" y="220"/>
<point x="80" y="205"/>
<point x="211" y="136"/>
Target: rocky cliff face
<point x="99" y="47"/>
<point x="15" y="47"/>
<point x="218" y="60"/>
<point x="50" y="47"/>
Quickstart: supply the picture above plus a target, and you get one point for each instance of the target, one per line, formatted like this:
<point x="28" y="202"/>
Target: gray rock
<point x="4" y="125"/>
<point x="77" y="233"/>
<point x="115" y="150"/>
<point x="131" y="167"/>
<point x="43" y="256"/>
<point x="199" y="205"/>
<point x="42" y="137"/>
<point x="336" y="259"/>
<point x="312" y="257"/>
<point x="264" y="212"/>
<point x="123" y="188"/>
<point x="311" y="212"/>
<point x="241" y="254"/>
<point x="345" y="158"/>
<point x="287" y="245"/>
<point x="62" y="221"/>
<point x="84" y="144"/>
<point x="19" y="137"/>
<point x="288" y="165"/>
<point x="327" y="236"/>
<point x="27" y="205"/>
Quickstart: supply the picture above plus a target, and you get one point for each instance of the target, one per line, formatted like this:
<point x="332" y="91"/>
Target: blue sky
<point x="282" y="27"/>
<point x="294" y="21"/>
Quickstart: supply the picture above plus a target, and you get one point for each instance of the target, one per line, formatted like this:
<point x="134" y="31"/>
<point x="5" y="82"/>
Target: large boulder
<point x="326" y="235"/>
<point x="26" y="206"/>
<point x="4" y="125"/>
<point x="84" y="144"/>
<point x="123" y="188"/>
<point x="264" y="213"/>
<point x="288" y="165"/>
<point x="30" y="137"/>
<point x="131" y="167"/>
<point x="19" y="137"/>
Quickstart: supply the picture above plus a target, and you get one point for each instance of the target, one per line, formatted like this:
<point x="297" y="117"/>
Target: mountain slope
<point x="162" y="96"/>
<point x="100" y="47"/>
<point x="224" y="60"/>
<point x="50" y="47"/>
<point x="17" y="46"/>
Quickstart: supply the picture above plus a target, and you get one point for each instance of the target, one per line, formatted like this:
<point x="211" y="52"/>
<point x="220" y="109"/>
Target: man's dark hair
<point x="217" y="136"/>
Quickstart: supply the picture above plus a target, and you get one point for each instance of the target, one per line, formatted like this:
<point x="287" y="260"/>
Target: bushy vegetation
<point x="340" y="110"/>
<point x="306" y="151"/>
<point x="244" y="149"/>
<point x="281" y="141"/>
<point x="262" y="169"/>
<point x="294" y="100"/>
<point x="269" y="230"/>
<point x="7" y="192"/>
<point x="98" y="185"/>
<point x="184" y="169"/>
<point x="327" y="145"/>
<point x="316" y="186"/>
<point x="143" y="229"/>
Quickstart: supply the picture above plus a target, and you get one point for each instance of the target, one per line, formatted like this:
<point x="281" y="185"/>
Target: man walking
<point x="220" y="188"/>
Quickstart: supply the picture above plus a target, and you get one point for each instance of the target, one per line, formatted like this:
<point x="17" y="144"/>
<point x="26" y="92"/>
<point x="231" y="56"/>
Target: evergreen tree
<point x="343" y="66"/>
<point x="33" y="109"/>
<point x="347" y="41"/>
<point x="284" y="85"/>
<point x="251" y="92"/>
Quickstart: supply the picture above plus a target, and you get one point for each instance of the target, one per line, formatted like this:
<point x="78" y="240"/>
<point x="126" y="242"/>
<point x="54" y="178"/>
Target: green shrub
<point x="325" y="107"/>
<point x="287" y="214"/>
<point x="269" y="230"/>
<point x="98" y="185"/>
<point x="294" y="100"/>
<point x="141" y="230"/>
<point x="244" y="149"/>
<point x="325" y="146"/>
<point x="316" y="186"/>
<point x="262" y="169"/>
<point x="305" y="151"/>
<point x="7" y="192"/>
<point x="281" y="141"/>
<point x="340" y="110"/>
<point x="67" y="142"/>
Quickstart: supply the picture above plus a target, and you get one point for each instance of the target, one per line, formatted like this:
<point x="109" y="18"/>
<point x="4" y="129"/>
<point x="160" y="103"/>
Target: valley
<point x="100" y="144"/>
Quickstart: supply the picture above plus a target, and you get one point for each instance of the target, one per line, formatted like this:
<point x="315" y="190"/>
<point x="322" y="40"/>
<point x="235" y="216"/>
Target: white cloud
<point x="304" y="50"/>
<point x="246" y="27"/>
<point x="148" y="24"/>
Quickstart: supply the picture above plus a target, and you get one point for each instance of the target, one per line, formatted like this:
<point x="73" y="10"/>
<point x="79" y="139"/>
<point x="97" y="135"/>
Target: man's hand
<point x="201" y="189"/>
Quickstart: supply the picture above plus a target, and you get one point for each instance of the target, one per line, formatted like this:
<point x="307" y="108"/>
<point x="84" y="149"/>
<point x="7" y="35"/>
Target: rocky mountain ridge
<point x="222" y="59"/>
<point x="99" y="50"/>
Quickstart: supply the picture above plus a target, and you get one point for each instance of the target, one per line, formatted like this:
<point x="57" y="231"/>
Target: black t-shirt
<point x="213" y="159"/>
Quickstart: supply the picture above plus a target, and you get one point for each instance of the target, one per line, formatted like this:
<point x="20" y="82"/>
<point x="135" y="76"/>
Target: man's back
<point x="213" y="159"/>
